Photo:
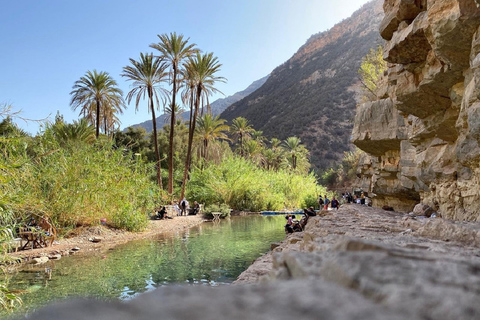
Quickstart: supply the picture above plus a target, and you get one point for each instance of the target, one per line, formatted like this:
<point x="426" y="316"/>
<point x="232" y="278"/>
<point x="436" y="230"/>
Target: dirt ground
<point x="83" y="238"/>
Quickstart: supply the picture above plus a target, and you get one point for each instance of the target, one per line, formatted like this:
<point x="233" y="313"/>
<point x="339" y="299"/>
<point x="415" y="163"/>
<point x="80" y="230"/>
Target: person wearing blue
<point x="327" y="202"/>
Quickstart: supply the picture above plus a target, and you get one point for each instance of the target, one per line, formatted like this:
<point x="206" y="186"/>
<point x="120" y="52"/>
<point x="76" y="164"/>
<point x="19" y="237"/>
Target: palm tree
<point x="253" y="151"/>
<point x="111" y="122"/>
<point x="200" y="72"/>
<point x="93" y="92"/>
<point x="147" y="75"/>
<point x="209" y="129"/>
<point x="241" y="130"/>
<point x="293" y="147"/>
<point x="275" y="143"/>
<point x="174" y="49"/>
<point x="178" y="112"/>
<point x="78" y="131"/>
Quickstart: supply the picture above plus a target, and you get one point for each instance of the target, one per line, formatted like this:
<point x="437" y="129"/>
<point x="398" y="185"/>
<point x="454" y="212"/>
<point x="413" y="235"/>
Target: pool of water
<point x="211" y="254"/>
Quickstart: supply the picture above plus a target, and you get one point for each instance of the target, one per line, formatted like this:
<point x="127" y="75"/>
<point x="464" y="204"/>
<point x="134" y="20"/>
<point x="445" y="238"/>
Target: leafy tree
<point x="95" y="93"/>
<point x="371" y="69"/>
<point x="134" y="139"/>
<point x="174" y="49"/>
<point x="148" y="74"/>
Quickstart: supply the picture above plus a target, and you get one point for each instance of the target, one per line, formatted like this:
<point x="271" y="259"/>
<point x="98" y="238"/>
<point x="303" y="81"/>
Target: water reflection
<point x="208" y="255"/>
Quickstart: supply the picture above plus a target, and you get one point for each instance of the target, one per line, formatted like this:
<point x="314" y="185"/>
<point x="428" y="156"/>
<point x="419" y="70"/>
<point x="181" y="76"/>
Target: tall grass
<point x="80" y="185"/>
<point x="244" y="186"/>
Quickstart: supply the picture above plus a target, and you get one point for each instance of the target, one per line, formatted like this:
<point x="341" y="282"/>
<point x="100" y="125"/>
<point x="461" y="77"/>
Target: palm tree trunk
<point x="189" y="149"/>
<point x="155" y="142"/>
<point x="191" y="131"/>
<point x="97" y="132"/>
<point x="205" y="146"/>
<point x="172" y="133"/>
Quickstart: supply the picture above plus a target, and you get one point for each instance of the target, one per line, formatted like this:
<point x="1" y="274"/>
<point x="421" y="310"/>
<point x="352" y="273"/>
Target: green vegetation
<point x="372" y="68"/>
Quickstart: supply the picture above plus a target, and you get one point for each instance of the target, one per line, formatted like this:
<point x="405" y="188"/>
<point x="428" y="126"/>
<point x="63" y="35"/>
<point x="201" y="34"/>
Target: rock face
<point x="422" y="134"/>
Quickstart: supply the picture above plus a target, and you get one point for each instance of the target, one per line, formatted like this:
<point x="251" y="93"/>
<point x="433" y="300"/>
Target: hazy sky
<point x="46" y="45"/>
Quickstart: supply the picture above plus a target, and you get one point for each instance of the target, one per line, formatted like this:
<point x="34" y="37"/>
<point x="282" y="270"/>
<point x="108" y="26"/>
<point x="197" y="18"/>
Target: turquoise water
<point x="211" y="254"/>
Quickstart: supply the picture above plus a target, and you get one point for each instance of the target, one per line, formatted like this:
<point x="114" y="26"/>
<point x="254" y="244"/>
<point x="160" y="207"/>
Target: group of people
<point x="182" y="208"/>
<point x="325" y="202"/>
<point x="294" y="225"/>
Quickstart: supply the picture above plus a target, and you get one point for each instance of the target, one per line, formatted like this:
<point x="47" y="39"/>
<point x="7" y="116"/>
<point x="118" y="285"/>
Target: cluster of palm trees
<point x="181" y="66"/>
<point x="178" y="63"/>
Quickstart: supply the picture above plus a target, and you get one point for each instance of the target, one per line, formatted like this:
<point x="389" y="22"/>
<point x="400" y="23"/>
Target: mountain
<point x="312" y="95"/>
<point x="218" y="106"/>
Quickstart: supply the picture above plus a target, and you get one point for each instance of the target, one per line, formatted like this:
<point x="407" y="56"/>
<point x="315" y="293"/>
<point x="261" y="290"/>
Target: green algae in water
<point x="211" y="254"/>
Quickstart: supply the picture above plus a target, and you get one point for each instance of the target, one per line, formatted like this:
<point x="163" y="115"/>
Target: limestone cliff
<point x="422" y="134"/>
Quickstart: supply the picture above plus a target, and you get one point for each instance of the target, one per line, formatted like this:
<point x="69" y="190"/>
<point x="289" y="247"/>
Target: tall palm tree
<point x="94" y="91"/>
<point x="200" y="72"/>
<point x="111" y="122"/>
<point x="147" y="75"/>
<point x="209" y="129"/>
<point x="241" y="130"/>
<point x="293" y="147"/>
<point x="174" y="49"/>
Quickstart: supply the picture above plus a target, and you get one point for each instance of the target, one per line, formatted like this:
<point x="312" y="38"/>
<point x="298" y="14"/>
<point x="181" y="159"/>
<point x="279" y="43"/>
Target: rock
<point x="39" y="260"/>
<point x="273" y="245"/>
<point x="423" y="210"/>
<point x="95" y="239"/>
<point x="55" y="257"/>
<point x="422" y="135"/>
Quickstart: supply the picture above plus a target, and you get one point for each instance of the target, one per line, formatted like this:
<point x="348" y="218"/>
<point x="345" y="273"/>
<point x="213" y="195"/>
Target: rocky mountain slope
<point x="312" y="95"/>
<point x="218" y="106"/>
<point x="422" y="131"/>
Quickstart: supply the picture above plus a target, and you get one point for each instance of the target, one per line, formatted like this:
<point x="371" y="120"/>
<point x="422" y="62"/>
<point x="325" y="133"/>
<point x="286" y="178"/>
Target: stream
<point x="210" y="254"/>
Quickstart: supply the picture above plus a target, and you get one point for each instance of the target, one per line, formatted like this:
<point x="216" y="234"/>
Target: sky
<point x="47" y="45"/>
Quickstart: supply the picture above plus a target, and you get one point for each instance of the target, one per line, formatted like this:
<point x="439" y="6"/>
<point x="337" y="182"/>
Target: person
<point x="334" y="204"/>
<point x="327" y="201"/>
<point x="161" y="213"/>
<point x="183" y="206"/>
<point x="32" y="223"/>
<point x="195" y="209"/>
<point x="320" y="202"/>
<point x="289" y="225"/>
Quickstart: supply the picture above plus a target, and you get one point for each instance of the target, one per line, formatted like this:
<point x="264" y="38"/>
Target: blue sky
<point x="46" y="45"/>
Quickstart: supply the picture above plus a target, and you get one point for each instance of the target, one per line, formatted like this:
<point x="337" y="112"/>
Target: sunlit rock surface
<point x="423" y="136"/>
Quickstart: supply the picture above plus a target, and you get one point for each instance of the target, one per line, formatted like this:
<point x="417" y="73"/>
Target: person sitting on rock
<point x="289" y="225"/>
<point x="311" y="212"/>
<point x="195" y="209"/>
<point x="161" y="213"/>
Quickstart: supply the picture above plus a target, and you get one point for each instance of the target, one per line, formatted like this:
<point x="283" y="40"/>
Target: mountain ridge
<point x="312" y="95"/>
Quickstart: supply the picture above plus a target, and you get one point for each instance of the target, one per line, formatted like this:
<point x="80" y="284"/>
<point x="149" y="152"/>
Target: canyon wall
<point x="422" y="133"/>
